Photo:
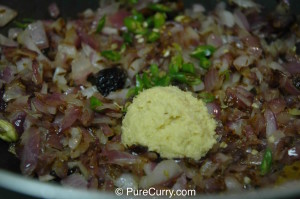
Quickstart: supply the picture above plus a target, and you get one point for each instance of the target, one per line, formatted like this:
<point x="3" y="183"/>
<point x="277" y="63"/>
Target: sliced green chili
<point x="159" y="19"/>
<point x="95" y="103"/>
<point x="101" y="24"/>
<point x="266" y="163"/>
<point x="159" y="7"/>
<point x="153" y="36"/>
<point x="207" y="97"/>
<point x="111" y="55"/>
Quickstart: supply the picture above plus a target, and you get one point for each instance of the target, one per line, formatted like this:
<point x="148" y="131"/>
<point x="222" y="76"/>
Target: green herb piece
<point x="203" y="51"/>
<point x="207" y="97"/>
<point x="111" y="55"/>
<point x="127" y="37"/>
<point x="101" y="24"/>
<point x="204" y="63"/>
<point x="95" y="103"/>
<point x="159" y="19"/>
<point x="266" y="163"/>
<point x="8" y="132"/>
<point x="153" y="36"/>
<point x="159" y="7"/>
<point x="188" y="68"/>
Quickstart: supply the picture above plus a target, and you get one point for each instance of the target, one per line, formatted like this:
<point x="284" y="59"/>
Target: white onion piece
<point x="4" y="41"/>
<point x="232" y="183"/>
<point x="246" y="4"/>
<point x="119" y="96"/>
<point x="198" y="87"/>
<point x="14" y="32"/>
<point x="110" y="31"/>
<point x="271" y="124"/>
<point x="208" y="168"/>
<point x="148" y="168"/>
<point x="198" y="8"/>
<point x="6" y="15"/>
<point x="226" y="18"/>
<point x="81" y="68"/>
<point x="14" y="91"/>
<point x="135" y="67"/>
<point x="126" y="181"/>
<point x="25" y="39"/>
<point x="89" y="92"/>
<point x="38" y="34"/>
<point x="163" y="172"/>
<point x="75" y="139"/>
<point x="241" y="20"/>
<point x="75" y="180"/>
<point x="180" y="183"/>
<point x="242" y="61"/>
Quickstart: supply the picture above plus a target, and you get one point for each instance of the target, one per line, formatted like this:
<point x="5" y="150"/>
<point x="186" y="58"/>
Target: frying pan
<point x="13" y="185"/>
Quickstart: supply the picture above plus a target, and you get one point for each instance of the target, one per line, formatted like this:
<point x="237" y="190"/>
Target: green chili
<point x="266" y="163"/>
<point x="101" y="24"/>
<point x="95" y="103"/>
<point x="159" y="19"/>
<point x="152" y="36"/>
<point x="159" y="7"/>
<point x="207" y="97"/>
<point x="111" y="55"/>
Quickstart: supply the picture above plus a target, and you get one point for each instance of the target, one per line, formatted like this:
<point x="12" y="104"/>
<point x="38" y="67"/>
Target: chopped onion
<point x="38" y="34"/>
<point x="4" y="41"/>
<point x="164" y="171"/>
<point x="126" y="181"/>
<point x="6" y="15"/>
<point x="75" y="139"/>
